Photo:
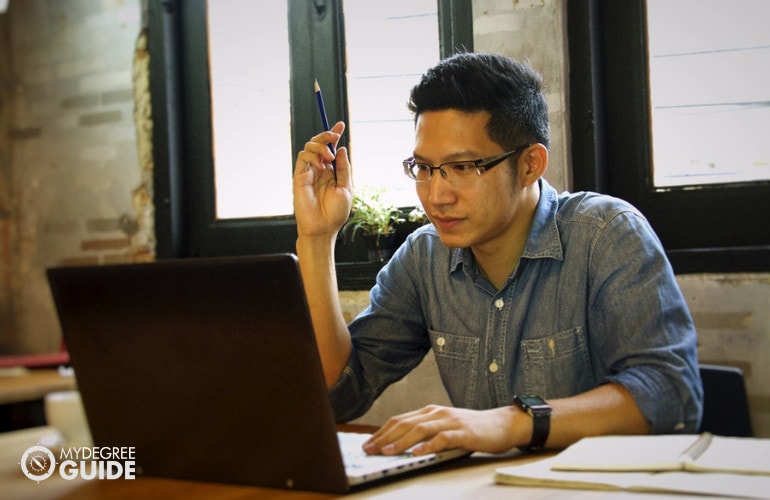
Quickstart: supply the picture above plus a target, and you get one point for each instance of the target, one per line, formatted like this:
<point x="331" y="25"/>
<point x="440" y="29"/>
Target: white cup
<point x="64" y="412"/>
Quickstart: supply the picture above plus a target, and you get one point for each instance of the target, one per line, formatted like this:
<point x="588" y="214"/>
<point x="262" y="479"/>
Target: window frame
<point x="711" y="228"/>
<point x="184" y="186"/>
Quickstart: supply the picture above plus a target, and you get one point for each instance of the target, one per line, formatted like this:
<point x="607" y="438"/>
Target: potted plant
<point x="376" y="219"/>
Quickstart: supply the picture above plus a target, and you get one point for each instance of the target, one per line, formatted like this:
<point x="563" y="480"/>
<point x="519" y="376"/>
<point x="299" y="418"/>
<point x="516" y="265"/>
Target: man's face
<point x="482" y="213"/>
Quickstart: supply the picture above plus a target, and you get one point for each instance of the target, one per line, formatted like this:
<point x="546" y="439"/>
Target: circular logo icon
<point x="38" y="463"/>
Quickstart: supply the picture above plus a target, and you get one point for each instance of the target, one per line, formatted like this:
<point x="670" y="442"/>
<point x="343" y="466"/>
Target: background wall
<point x="70" y="181"/>
<point x="75" y="173"/>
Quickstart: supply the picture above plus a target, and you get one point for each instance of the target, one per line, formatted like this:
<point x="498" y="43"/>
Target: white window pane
<point x="249" y="66"/>
<point x="710" y="88"/>
<point x="389" y="46"/>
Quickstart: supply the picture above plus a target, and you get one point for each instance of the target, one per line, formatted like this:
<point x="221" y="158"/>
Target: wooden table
<point x="471" y="478"/>
<point x="29" y="385"/>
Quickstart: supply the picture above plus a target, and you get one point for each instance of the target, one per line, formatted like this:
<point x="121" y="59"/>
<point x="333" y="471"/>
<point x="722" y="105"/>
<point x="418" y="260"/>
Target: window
<point x="707" y="223"/>
<point x="190" y="220"/>
<point x="709" y="91"/>
<point x="380" y="77"/>
<point x="251" y="123"/>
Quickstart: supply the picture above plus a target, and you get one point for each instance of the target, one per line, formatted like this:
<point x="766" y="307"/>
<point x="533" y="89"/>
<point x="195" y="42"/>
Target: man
<point x="518" y="290"/>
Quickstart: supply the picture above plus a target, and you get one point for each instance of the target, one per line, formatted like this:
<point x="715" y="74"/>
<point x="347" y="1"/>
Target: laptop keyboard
<point x="361" y="467"/>
<point x="356" y="459"/>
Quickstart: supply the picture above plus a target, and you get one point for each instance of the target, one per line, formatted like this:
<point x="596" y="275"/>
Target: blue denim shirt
<point x="593" y="300"/>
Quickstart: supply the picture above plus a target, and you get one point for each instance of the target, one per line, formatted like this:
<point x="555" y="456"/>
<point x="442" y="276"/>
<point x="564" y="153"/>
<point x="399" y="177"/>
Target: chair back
<point x="725" y="403"/>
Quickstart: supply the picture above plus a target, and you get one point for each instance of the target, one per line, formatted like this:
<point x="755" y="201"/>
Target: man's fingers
<point x="404" y="431"/>
<point x="444" y="440"/>
<point x="344" y="169"/>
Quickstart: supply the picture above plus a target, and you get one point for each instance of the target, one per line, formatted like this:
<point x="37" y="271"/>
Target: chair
<point x="725" y="404"/>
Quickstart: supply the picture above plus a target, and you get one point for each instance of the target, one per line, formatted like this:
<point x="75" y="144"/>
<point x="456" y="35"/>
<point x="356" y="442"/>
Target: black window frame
<point x="184" y="189"/>
<point x="709" y="229"/>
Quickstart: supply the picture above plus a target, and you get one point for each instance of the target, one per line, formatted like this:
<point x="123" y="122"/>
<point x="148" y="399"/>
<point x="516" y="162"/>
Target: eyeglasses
<point x="455" y="171"/>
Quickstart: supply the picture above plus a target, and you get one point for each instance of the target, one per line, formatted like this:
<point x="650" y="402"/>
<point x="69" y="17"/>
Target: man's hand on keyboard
<point x="435" y="428"/>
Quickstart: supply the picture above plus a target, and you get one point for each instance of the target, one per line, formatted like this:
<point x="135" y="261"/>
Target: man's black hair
<point x="511" y="92"/>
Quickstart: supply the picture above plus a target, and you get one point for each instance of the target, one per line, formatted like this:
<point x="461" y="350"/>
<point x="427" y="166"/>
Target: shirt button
<point x="441" y="341"/>
<point x="494" y="367"/>
<point x="499" y="303"/>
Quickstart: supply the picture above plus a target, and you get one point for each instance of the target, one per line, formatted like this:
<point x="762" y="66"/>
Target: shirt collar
<point x="544" y="240"/>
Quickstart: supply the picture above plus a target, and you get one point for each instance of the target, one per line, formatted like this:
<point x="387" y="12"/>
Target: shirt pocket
<point x="457" y="357"/>
<point x="557" y="365"/>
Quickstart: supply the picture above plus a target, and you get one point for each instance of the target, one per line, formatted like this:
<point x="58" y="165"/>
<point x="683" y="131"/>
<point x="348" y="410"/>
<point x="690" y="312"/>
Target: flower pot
<point x="379" y="247"/>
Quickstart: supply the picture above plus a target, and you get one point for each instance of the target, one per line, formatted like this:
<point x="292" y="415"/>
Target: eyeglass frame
<point x="482" y="163"/>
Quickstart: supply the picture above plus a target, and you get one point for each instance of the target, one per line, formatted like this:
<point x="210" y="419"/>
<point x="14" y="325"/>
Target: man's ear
<point x="532" y="164"/>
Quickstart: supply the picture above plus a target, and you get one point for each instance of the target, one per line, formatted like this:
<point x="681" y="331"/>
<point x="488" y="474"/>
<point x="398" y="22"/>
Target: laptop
<point x="209" y="368"/>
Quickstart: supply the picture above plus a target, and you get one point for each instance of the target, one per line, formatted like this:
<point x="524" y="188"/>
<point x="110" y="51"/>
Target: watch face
<point x="532" y="400"/>
<point x="533" y="403"/>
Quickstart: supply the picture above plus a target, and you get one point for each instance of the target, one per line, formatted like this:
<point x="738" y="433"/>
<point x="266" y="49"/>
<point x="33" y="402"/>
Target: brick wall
<point x="72" y="190"/>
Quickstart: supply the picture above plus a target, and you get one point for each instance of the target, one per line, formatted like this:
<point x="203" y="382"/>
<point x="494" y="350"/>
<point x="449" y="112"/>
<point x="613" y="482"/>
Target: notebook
<point x="208" y="367"/>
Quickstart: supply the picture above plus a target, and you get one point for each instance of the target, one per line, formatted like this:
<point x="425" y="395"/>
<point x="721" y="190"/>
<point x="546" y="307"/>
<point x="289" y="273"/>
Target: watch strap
<point x="541" y="425"/>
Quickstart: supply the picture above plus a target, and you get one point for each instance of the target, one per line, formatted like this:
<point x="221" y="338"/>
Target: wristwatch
<point x="540" y="411"/>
